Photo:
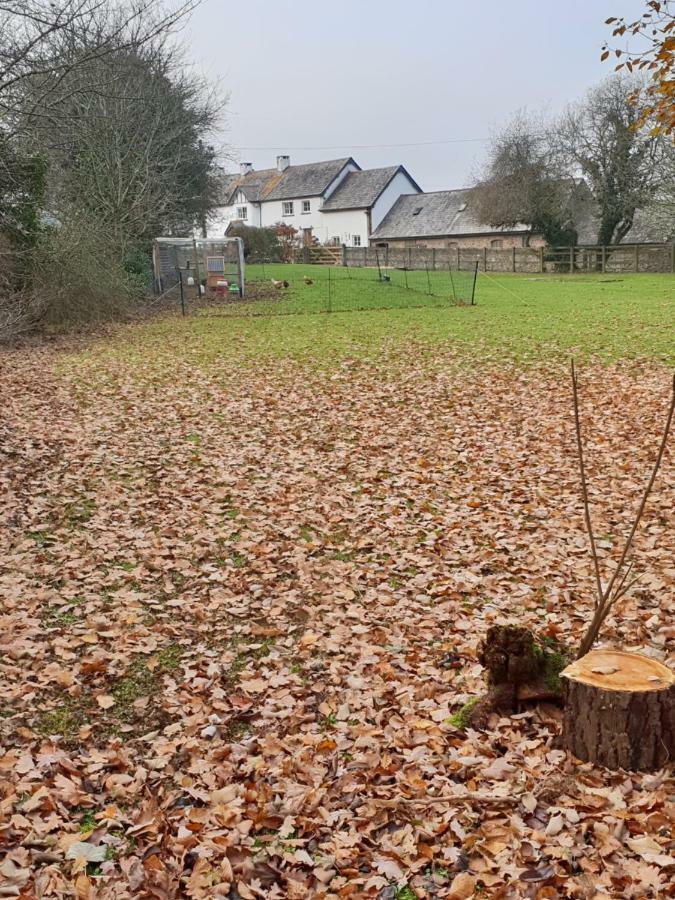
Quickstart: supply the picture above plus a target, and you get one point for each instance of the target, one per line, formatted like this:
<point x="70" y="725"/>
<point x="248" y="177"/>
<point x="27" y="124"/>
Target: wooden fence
<point x="615" y="259"/>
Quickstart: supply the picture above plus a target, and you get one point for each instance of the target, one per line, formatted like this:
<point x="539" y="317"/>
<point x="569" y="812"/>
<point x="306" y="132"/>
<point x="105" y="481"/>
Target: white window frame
<point x="287" y="208"/>
<point x="242" y="212"/>
<point x="356" y="240"/>
<point x="306" y="207"/>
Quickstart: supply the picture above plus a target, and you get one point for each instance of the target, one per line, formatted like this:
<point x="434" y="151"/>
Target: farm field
<point x="248" y="561"/>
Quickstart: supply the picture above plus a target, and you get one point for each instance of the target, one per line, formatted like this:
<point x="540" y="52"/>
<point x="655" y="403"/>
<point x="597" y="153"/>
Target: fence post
<point x="637" y="257"/>
<point x="603" y="258"/>
<point x="458" y="258"/>
<point x="365" y="256"/>
<point x="571" y="259"/>
<point x="672" y="257"/>
<point x="485" y="259"/>
<point x="344" y="254"/>
<point x="513" y="266"/>
<point x="433" y="258"/>
<point x="541" y="259"/>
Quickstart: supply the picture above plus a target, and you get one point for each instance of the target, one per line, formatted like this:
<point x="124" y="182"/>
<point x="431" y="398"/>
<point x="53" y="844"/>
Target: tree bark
<point x="619" y="710"/>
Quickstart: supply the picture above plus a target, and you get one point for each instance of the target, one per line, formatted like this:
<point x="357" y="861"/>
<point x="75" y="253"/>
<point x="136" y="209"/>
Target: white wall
<point x="272" y="210"/>
<point x="400" y="184"/>
<point x="221" y="217"/>
<point x="346" y="224"/>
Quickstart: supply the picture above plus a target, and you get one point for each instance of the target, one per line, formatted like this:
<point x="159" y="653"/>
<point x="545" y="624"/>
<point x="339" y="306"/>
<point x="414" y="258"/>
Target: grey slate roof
<point x="256" y="185"/>
<point x="438" y="214"/>
<point x="308" y="180"/>
<point x="360" y="190"/>
<point x="226" y="185"/>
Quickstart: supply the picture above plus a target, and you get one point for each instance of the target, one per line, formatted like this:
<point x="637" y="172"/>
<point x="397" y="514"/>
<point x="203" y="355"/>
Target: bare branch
<point x="584" y="487"/>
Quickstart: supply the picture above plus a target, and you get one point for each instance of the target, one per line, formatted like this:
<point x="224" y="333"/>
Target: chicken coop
<point x="200" y="266"/>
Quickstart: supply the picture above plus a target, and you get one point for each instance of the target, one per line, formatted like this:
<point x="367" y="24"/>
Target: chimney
<point x="245" y="168"/>
<point x="283" y="162"/>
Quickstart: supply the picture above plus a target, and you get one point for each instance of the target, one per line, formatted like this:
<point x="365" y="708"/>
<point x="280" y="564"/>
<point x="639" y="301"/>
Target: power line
<point x="373" y="146"/>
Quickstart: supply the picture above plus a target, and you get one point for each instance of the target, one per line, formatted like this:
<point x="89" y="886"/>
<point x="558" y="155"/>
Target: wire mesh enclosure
<point x="196" y="267"/>
<point x="294" y="289"/>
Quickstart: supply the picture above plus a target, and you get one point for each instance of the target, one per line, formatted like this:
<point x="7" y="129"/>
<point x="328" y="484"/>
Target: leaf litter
<point x="229" y="597"/>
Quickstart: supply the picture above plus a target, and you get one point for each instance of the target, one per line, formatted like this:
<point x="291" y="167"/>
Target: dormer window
<point x="462" y="207"/>
<point x="417" y="211"/>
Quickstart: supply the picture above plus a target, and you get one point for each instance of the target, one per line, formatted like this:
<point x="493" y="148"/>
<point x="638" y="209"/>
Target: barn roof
<point x="437" y="214"/>
<point x="360" y="190"/>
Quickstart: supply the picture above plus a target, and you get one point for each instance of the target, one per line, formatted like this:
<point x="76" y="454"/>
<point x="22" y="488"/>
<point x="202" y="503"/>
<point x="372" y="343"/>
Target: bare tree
<point x="48" y="40"/>
<point x="523" y="182"/>
<point x="602" y="141"/>
<point x="135" y="155"/>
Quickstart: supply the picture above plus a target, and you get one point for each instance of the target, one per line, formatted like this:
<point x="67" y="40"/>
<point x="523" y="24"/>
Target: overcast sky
<point x="372" y="78"/>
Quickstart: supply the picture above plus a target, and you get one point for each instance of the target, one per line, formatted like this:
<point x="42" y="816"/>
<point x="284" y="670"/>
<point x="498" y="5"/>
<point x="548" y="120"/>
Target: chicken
<point x="307" y="280"/>
<point x="280" y="284"/>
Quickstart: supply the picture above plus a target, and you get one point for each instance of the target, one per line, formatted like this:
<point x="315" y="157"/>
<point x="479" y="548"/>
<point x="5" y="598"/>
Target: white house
<point x="333" y="201"/>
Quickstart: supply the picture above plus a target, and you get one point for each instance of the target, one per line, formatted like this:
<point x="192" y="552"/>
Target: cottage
<point x="445" y="219"/>
<point x="334" y="201"/>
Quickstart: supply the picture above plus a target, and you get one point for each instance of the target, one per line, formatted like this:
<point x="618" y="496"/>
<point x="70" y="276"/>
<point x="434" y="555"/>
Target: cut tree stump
<point x="619" y="710"/>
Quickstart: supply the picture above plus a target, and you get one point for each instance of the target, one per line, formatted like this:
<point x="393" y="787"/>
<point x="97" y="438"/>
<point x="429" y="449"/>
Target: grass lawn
<point x="517" y="317"/>
<point x="248" y="561"/>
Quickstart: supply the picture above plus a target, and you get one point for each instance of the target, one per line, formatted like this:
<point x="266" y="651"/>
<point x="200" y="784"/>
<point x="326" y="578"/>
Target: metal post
<point x="513" y="259"/>
<point x="426" y="266"/>
<point x="603" y="258"/>
<point x="473" y="286"/>
<point x="377" y="260"/>
<point x="458" y="258"/>
<point x="344" y="254"/>
<point x="182" y="292"/>
<point x="405" y="275"/>
<point x="329" y="303"/>
<point x="541" y="259"/>
<point x="637" y="257"/>
<point x="485" y="259"/>
<point x="433" y="258"/>
<point x="571" y="259"/>
<point x="452" y="282"/>
<point x="199" y="275"/>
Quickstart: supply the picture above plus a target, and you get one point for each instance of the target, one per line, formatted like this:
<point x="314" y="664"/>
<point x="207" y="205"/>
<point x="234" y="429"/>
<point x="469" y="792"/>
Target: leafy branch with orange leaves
<point x="654" y="33"/>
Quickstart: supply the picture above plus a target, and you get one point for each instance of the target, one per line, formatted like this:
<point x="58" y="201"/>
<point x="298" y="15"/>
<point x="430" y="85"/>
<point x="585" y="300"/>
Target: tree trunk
<point x="619" y="710"/>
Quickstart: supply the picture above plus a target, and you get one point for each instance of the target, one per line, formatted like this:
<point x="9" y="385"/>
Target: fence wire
<point x="274" y="288"/>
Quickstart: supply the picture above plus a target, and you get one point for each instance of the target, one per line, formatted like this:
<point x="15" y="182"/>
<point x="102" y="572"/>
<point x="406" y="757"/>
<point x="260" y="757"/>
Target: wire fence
<point x="274" y="288"/>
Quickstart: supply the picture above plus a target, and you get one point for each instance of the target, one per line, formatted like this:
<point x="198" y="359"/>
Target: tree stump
<point x="619" y="710"/>
<point x="519" y="670"/>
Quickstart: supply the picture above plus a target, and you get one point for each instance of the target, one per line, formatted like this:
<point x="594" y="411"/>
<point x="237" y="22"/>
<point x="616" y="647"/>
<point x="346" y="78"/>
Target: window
<point x="306" y="206"/>
<point x="497" y="244"/>
<point x="356" y="240"/>
<point x="287" y="208"/>
<point x="242" y="212"/>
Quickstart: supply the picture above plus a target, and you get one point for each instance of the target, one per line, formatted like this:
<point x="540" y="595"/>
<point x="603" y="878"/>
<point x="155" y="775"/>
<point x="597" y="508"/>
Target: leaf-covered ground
<point x="242" y="593"/>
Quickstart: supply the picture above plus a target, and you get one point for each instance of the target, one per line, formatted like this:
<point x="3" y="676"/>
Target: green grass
<point x="516" y="317"/>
